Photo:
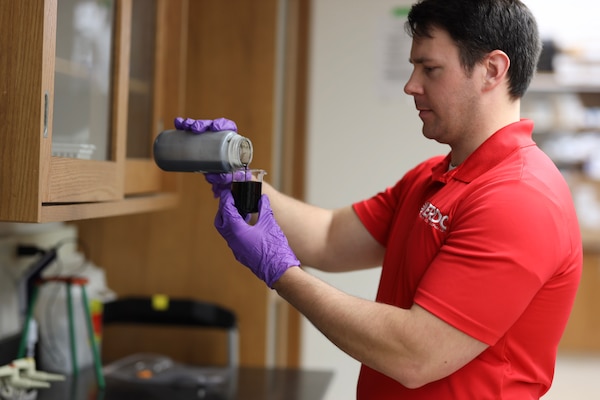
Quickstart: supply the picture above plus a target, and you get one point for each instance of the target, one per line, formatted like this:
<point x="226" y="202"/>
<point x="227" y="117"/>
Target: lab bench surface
<point x="246" y="384"/>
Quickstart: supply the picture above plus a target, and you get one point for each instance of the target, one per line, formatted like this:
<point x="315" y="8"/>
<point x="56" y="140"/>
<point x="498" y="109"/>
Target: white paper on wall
<point x="393" y="47"/>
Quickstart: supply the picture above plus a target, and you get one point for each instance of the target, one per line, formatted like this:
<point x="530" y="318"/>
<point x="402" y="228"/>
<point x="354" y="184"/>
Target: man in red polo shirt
<point x="481" y="250"/>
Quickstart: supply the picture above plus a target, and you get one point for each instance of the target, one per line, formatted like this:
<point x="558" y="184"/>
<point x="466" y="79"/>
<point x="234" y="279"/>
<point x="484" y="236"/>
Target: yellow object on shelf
<point x="160" y="302"/>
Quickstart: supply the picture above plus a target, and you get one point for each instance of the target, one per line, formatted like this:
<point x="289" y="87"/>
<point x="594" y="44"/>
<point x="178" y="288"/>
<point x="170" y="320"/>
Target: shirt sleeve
<point x="377" y="213"/>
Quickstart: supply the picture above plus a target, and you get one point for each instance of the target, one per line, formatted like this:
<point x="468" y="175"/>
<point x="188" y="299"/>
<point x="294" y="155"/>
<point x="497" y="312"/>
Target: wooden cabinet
<point x="82" y="96"/>
<point x="232" y="71"/>
<point x="583" y="330"/>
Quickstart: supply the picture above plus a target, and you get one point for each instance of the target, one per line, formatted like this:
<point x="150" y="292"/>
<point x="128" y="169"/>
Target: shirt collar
<point x="490" y="153"/>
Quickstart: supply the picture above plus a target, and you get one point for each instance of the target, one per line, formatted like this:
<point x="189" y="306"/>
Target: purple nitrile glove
<point x="219" y="181"/>
<point x="222" y="181"/>
<point x="204" y="125"/>
<point x="223" y="124"/>
<point x="261" y="247"/>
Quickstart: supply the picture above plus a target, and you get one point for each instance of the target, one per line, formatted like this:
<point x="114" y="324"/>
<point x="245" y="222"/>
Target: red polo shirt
<point x="493" y="248"/>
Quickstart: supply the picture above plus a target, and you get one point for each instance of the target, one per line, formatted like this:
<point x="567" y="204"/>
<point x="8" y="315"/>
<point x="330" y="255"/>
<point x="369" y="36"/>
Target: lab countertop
<point x="246" y="383"/>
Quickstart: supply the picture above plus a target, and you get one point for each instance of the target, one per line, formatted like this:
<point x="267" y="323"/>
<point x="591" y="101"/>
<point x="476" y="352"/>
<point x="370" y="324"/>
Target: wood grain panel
<point x="230" y="73"/>
<point x="25" y="78"/>
<point x="583" y="330"/>
<point x="74" y="180"/>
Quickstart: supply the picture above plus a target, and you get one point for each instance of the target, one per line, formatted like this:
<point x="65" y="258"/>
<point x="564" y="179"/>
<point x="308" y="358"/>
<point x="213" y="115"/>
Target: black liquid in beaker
<point x="246" y="195"/>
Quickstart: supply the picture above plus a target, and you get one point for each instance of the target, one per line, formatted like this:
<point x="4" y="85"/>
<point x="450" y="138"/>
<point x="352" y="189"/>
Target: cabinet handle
<point x="45" y="114"/>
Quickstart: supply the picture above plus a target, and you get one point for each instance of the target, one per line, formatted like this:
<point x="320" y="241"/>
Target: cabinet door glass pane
<point x="82" y="86"/>
<point x="140" y="125"/>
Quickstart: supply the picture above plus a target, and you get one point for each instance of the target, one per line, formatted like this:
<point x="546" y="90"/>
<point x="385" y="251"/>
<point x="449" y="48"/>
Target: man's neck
<point x="484" y="129"/>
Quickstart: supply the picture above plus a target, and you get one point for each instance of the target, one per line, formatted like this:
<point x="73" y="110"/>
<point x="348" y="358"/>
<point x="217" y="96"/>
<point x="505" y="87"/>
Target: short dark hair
<point x="479" y="27"/>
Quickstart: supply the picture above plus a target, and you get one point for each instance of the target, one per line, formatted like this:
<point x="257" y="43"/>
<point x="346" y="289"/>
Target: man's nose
<point x="412" y="87"/>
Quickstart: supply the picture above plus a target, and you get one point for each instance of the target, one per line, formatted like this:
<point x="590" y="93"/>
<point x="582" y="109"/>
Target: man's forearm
<point x="411" y="346"/>
<point x="330" y="240"/>
<point x="305" y="226"/>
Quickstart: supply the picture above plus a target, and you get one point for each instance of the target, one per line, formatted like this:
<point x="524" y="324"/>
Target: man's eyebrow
<point x="419" y="60"/>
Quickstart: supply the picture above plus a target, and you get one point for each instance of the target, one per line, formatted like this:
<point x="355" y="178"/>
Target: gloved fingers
<point x="183" y="123"/>
<point x="218" y="178"/>
<point x="241" y="175"/>
<point x="193" y="125"/>
<point x="223" y="124"/>
<point x="178" y="122"/>
<point x="227" y="177"/>
<point x="201" y="125"/>
<point x="222" y="181"/>
<point x="219" y="182"/>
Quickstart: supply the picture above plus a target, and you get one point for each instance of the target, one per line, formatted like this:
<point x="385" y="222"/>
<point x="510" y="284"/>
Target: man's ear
<point x="496" y="68"/>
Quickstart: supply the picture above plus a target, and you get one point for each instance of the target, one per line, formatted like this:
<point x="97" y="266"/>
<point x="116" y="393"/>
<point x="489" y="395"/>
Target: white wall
<point x="358" y="144"/>
<point x="571" y="24"/>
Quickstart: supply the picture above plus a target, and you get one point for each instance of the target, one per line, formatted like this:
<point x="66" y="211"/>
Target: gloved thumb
<point x="264" y="205"/>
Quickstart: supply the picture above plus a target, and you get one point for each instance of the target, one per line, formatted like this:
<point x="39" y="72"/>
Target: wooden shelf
<point x="130" y="205"/>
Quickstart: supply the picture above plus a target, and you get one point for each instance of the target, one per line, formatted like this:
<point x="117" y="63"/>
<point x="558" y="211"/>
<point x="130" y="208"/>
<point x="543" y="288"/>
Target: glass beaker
<point x="246" y="187"/>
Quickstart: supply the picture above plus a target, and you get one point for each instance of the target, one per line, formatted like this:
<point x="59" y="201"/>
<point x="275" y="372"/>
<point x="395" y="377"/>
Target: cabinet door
<point x="155" y="95"/>
<point x="88" y="103"/>
<point x="32" y="178"/>
<point x="65" y="96"/>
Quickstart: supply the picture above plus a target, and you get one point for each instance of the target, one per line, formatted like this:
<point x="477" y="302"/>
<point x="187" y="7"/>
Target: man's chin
<point x="432" y="134"/>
